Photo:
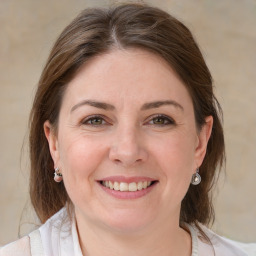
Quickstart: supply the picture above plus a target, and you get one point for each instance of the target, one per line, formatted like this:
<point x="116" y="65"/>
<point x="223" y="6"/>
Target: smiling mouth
<point x="127" y="187"/>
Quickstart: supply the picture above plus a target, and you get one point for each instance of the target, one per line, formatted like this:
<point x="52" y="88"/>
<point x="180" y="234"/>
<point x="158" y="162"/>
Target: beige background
<point x="225" y="30"/>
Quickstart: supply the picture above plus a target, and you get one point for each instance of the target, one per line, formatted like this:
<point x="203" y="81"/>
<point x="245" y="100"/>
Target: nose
<point x="127" y="148"/>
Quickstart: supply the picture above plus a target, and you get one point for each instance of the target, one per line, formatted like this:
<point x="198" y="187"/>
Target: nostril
<point x="127" y="154"/>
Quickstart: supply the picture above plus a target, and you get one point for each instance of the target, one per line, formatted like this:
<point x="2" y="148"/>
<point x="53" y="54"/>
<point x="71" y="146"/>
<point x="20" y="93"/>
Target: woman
<point x="126" y="120"/>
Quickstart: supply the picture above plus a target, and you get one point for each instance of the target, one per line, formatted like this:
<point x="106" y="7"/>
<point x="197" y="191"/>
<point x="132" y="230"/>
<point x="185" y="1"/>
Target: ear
<point x="203" y="138"/>
<point x="52" y="141"/>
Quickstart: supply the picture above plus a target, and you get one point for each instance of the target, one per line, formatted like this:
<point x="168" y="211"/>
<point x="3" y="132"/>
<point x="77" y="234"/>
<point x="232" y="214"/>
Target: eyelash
<point x="167" y="119"/>
<point x="90" y="118"/>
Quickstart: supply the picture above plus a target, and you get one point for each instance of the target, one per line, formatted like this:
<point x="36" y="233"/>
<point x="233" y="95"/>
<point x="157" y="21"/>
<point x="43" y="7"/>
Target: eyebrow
<point x="146" y="106"/>
<point x="158" y="104"/>
<point x="93" y="103"/>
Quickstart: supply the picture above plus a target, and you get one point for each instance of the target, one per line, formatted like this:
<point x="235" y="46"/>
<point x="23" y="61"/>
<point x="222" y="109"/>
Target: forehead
<point x="126" y="75"/>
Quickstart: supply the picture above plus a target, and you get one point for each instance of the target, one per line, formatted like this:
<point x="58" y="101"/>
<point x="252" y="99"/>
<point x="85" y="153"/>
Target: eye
<point x="161" y="120"/>
<point x="94" y="121"/>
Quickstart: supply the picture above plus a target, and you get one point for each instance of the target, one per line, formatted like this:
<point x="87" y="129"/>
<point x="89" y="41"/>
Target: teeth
<point x="111" y="185"/>
<point x="140" y="186"/>
<point x="133" y="186"/>
<point x="123" y="186"/>
<point x="145" y="184"/>
<point x="116" y="185"/>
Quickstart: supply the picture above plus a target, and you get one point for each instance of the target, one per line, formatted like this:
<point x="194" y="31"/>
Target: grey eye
<point x="96" y="121"/>
<point x="161" y="120"/>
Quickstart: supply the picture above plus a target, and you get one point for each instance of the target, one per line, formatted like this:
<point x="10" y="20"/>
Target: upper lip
<point x="127" y="179"/>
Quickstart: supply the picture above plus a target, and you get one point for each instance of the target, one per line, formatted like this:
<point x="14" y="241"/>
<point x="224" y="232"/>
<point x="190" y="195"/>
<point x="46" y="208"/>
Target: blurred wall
<point x="225" y="30"/>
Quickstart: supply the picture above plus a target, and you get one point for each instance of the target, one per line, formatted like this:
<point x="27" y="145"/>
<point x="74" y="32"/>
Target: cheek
<point x="80" y="157"/>
<point x="175" y="157"/>
<point x="176" y="153"/>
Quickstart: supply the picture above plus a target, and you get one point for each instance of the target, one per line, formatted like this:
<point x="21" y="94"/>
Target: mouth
<point x="127" y="187"/>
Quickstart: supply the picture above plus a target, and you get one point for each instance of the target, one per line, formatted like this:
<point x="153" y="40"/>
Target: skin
<point x="130" y="142"/>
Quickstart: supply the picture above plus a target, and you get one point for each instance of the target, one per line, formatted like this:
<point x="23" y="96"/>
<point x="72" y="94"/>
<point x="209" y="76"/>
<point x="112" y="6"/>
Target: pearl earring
<point x="196" y="178"/>
<point x="57" y="175"/>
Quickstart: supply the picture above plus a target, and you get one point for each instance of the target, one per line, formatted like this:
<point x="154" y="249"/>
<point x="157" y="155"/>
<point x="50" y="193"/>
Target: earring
<point x="57" y="175"/>
<point x="196" y="178"/>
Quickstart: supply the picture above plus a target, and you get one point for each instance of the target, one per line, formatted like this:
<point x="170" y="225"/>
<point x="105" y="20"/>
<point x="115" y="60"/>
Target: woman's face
<point x="127" y="143"/>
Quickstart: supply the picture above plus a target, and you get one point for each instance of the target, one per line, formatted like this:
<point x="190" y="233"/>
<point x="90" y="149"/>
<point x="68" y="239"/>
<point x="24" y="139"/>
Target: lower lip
<point x="128" y="194"/>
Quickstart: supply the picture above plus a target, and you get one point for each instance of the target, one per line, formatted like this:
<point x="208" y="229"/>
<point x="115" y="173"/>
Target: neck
<point x="157" y="239"/>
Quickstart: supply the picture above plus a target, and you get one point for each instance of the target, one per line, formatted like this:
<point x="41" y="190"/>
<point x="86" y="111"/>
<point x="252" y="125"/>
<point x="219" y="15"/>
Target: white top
<point x="59" y="238"/>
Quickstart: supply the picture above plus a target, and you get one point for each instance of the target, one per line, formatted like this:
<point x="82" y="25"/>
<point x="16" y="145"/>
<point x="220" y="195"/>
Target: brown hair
<point x="97" y="31"/>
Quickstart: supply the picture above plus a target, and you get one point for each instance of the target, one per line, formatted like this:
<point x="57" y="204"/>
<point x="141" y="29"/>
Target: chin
<point x="127" y="221"/>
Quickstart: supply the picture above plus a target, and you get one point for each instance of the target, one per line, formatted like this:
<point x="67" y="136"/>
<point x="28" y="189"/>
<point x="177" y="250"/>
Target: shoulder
<point x="56" y="234"/>
<point x="27" y="245"/>
<point x="20" y="247"/>
<point x="56" y="223"/>
<point x="248" y="248"/>
<point x="225" y="246"/>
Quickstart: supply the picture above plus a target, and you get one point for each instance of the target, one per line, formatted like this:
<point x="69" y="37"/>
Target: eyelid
<point x="88" y="118"/>
<point x="170" y="120"/>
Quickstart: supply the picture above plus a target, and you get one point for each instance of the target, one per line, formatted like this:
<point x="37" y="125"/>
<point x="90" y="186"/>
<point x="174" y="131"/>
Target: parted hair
<point x="96" y="31"/>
